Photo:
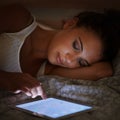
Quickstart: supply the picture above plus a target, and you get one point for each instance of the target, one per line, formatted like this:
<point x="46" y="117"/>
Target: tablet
<point x="53" y="108"/>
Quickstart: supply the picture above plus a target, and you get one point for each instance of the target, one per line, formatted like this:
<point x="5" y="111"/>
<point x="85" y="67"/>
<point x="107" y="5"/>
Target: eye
<point x="76" y="45"/>
<point x="83" y="63"/>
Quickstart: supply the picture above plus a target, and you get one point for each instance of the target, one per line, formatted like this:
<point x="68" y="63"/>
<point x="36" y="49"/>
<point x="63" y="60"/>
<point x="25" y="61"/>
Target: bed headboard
<point x="77" y="4"/>
<point x="53" y="11"/>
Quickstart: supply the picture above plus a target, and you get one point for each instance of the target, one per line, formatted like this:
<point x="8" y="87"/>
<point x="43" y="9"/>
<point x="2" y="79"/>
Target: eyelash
<point x="76" y="45"/>
<point x="82" y="63"/>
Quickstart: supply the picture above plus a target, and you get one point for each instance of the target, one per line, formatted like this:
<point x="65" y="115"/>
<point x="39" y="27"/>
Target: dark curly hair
<point x="107" y="25"/>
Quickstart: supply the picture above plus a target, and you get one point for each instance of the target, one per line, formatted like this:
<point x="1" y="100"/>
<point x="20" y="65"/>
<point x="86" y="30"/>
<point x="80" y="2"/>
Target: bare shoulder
<point x="14" y="18"/>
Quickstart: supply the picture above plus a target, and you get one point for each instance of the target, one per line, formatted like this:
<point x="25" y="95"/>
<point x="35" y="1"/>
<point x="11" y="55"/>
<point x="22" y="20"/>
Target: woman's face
<point x="74" y="47"/>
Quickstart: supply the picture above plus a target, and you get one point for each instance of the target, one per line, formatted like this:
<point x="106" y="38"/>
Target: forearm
<point x="93" y="72"/>
<point x="4" y="76"/>
<point x="11" y="80"/>
<point x="21" y="82"/>
<point x="5" y="79"/>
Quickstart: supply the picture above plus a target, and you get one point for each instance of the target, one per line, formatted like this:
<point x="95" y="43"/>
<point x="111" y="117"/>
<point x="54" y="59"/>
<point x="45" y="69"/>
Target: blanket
<point x="104" y="93"/>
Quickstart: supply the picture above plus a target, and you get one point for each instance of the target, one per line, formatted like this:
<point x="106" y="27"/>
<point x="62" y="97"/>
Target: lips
<point x="59" y="60"/>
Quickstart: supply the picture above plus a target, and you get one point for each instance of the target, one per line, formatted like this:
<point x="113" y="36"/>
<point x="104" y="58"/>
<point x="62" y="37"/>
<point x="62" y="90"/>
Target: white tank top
<point x="10" y="46"/>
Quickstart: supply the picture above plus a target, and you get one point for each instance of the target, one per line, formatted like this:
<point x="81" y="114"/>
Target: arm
<point x="20" y="82"/>
<point x="93" y="72"/>
<point x="12" y="19"/>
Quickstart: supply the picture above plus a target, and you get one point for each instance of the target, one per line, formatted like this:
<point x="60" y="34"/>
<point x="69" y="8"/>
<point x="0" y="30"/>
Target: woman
<point x="79" y="50"/>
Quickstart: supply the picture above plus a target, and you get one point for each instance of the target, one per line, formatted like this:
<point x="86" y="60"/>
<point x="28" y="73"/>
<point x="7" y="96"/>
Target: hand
<point x="20" y="82"/>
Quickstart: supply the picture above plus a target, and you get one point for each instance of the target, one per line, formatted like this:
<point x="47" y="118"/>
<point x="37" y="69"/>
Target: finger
<point x="37" y="91"/>
<point x="34" y="92"/>
<point x="43" y="96"/>
<point x="26" y="91"/>
<point x="41" y="92"/>
<point x="17" y="91"/>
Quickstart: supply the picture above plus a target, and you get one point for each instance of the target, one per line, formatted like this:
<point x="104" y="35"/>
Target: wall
<point x="83" y="4"/>
<point x="52" y="12"/>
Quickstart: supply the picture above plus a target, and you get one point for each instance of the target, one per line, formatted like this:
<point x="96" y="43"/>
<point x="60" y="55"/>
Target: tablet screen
<point x="53" y="108"/>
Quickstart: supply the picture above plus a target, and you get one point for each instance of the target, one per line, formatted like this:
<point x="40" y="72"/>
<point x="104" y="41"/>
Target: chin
<point x="52" y="61"/>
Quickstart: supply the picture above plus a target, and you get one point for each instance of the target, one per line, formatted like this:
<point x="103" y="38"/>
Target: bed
<point x="104" y="93"/>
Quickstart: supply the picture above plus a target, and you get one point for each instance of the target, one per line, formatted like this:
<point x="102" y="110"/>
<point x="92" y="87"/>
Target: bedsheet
<point x="99" y="94"/>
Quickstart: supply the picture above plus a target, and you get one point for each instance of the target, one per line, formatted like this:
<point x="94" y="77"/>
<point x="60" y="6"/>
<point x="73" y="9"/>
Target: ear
<point x="70" y="23"/>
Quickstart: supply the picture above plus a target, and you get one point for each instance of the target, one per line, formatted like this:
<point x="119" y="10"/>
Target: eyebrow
<point x="81" y="44"/>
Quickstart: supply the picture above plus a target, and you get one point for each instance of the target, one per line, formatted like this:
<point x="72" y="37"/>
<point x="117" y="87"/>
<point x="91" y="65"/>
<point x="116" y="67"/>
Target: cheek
<point x="53" y="51"/>
<point x="62" y="46"/>
<point x="51" y="55"/>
